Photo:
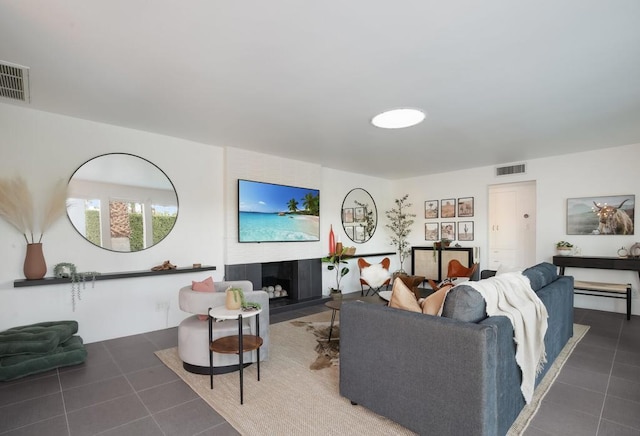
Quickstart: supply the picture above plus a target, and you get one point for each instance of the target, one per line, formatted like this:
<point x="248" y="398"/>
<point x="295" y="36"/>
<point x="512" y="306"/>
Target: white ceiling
<point x="502" y="81"/>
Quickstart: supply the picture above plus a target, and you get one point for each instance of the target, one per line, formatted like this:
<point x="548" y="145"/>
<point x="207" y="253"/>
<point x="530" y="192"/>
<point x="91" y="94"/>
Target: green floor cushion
<point x="70" y="352"/>
<point x="43" y="337"/>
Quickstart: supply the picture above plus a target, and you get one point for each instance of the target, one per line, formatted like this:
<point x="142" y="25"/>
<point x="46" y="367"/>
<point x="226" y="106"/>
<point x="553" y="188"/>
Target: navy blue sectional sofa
<point x="454" y="374"/>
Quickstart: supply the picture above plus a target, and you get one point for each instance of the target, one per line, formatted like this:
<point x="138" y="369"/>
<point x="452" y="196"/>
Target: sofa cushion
<point x="69" y="352"/>
<point x="204" y="286"/>
<point x="432" y="305"/>
<point x="403" y="298"/>
<point x="40" y="338"/>
<point x="541" y="275"/>
<point x="464" y="304"/>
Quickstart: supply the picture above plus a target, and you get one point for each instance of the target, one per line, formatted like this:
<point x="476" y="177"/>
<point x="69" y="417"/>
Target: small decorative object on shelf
<point x="16" y="208"/>
<point x="441" y="245"/>
<point x="564" y="248"/>
<point x="332" y="240"/>
<point x="622" y="252"/>
<point x="67" y="270"/>
<point x="64" y="270"/>
<point x="165" y="266"/>
<point x="634" y="250"/>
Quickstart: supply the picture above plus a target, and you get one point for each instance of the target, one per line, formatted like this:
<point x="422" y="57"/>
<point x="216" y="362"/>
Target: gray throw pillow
<point x="541" y="275"/>
<point x="464" y="304"/>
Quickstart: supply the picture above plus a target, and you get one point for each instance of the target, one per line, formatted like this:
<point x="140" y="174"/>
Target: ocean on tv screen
<point x="264" y="227"/>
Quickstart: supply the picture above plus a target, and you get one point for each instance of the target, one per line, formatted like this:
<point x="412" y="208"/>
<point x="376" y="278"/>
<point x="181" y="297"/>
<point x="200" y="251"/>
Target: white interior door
<point x="512" y="225"/>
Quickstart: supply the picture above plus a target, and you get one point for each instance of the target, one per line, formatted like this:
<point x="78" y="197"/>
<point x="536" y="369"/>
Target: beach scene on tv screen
<point x="273" y="213"/>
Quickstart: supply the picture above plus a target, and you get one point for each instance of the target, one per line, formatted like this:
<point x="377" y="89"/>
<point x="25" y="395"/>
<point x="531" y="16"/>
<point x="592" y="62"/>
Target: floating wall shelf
<point x="110" y="276"/>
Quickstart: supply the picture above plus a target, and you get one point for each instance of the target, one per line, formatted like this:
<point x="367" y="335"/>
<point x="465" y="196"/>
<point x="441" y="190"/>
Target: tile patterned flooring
<point x="123" y="389"/>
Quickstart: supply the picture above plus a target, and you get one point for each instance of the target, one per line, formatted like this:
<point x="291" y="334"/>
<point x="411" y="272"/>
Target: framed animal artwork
<point x="609" y="215"/>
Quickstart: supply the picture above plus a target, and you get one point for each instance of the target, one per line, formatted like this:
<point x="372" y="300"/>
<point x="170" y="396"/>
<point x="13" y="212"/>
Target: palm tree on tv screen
<point x="293" y="205"/>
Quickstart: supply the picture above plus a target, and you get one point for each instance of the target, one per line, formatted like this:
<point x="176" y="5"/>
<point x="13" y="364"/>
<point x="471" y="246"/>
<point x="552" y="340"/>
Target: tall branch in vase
<point x="400" y="222"/>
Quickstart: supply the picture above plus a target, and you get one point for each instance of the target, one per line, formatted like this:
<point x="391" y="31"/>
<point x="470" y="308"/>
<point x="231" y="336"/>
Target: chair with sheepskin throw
<point x="374" y="276"/>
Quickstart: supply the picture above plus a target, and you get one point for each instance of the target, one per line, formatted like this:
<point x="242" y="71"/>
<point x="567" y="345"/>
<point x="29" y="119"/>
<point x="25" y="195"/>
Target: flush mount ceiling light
<point x="398" y="118"/>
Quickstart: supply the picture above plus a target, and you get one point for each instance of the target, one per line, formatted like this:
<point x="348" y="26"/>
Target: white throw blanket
<point x="510" y="295"/>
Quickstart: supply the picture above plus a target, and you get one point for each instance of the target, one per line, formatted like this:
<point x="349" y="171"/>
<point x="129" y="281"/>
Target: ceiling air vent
<point x="511" y="169"/>
<point x="14" y="81"/>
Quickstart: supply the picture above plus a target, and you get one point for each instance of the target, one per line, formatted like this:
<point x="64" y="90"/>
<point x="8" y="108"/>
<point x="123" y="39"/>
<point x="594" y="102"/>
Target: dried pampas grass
<point x="56" y="207"/>
<point x="16" y="207"/>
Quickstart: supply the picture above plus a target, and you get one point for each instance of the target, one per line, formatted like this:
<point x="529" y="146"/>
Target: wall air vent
<point x="511" y="169"/>
<point x="14" y="81"/>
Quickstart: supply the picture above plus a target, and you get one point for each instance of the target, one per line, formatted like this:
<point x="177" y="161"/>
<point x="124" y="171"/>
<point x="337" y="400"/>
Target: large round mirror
<point x="121" y="202"/>
<point x="359" y="215"/>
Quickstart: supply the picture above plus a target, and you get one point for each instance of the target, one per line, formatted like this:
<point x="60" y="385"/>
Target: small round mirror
<point x="359" y="215"/>
<point x="121" y="202"/>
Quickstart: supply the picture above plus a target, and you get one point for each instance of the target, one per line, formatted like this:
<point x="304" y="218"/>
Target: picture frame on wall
<point x="448" y="230"/>
<point x="448" y="208"/>
<point x="431" y="209"/>
<point x="431" y="231"/>
<point x="465" y="207"/>
<point x="347" y="215"/>
<point x="358" y="234"/>
<point x="465" y="230"/>
<point x="607" y="215"/>
<point x="359" y="214"/>
<point x="349" y="231"/>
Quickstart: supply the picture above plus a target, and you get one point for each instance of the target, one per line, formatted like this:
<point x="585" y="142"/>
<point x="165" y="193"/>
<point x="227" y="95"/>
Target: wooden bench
<point x="610" y="290"/>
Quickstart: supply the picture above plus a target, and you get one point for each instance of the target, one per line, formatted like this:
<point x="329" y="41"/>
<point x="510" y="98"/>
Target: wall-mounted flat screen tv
<point x="277" y="213"/>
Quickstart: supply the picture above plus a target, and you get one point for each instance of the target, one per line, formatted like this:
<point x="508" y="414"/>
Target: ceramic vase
<point x="233" y="301"/>
<point x="34" y="265"/>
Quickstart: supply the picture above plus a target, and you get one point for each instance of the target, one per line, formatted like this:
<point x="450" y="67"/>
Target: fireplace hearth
<point x="300" y="279"/>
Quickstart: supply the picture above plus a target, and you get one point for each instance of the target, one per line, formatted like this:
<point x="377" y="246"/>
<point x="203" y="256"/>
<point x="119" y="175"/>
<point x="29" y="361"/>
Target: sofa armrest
<point x="430" y="374"/>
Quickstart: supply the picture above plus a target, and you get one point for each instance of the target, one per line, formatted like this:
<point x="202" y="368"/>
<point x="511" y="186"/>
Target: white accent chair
<point x="193" y="333"/>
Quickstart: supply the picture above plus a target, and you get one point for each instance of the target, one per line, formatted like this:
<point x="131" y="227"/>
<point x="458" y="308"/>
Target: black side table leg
<point x="240" y="357"/>
<point x="333" y="318"/>
<point x="210" y="352"/>
<point x="258" y="350"/>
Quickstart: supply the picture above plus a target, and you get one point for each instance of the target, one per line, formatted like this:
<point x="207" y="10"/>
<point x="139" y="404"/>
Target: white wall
<point x="43" y="148"/>
<point x="610" y="171"/>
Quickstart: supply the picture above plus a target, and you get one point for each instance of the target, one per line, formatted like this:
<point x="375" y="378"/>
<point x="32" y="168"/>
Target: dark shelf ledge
<point x="110" y="276"/>
<point x="372" y="254"/>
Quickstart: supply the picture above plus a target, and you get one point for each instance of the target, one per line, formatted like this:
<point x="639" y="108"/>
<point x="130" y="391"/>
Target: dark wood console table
<point x="601" y="262"/>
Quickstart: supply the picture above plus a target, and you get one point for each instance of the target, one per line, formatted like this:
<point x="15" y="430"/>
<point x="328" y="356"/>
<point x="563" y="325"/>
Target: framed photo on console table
<point x="465" y="230"/>
<point x="431" y="231"/>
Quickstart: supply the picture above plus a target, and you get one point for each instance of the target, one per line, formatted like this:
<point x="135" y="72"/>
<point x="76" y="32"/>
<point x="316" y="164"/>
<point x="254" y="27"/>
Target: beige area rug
<point x="293" y="399"/>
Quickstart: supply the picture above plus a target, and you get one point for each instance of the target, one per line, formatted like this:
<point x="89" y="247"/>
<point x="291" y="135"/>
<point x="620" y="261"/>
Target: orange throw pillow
<point x="432" y="305"/>
<point x="403" y="298"/>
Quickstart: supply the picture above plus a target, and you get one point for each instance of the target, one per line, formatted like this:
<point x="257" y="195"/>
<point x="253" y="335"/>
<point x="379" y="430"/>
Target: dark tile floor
<point x="123" y="389"/>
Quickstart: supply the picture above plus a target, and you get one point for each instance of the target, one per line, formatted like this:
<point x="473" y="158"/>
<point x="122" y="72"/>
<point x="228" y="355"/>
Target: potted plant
<point x="564" y="248"/>
<point x="335" y="262"/>
<point x="400" y="226"/>
<point x="441" y="245"/>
